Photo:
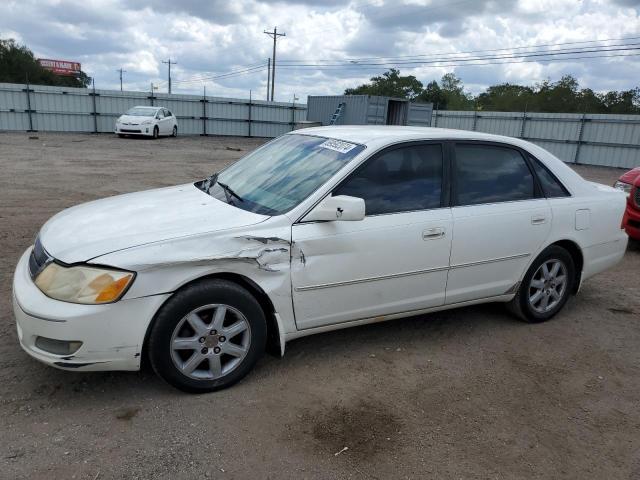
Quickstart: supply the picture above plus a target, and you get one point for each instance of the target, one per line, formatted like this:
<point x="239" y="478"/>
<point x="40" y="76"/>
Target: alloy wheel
<point x="548" y="286"/>
<point x="210" y="342"/>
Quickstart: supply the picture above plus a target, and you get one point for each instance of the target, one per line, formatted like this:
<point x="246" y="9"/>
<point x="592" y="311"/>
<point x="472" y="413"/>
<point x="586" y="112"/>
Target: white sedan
<point x="147" y="121"/>
<point x="316" y="230"/>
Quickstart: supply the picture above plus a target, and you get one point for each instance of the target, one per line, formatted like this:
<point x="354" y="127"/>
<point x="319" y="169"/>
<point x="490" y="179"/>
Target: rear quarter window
<point x="551" y="186"/>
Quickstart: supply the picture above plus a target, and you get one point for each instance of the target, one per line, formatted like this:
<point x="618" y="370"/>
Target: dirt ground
<point x="464" y="394"/>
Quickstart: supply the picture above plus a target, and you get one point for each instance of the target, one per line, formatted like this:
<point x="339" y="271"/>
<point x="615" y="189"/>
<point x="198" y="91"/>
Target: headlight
<point x="146" y="122"/>
<point x="625" y="187"/>
<point x="118" y="120"/>
<point x="82" y="284"/>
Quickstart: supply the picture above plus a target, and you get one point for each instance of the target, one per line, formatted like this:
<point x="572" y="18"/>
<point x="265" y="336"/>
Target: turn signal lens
<point x="83" y="284"/>
<point x="112" y="291"/>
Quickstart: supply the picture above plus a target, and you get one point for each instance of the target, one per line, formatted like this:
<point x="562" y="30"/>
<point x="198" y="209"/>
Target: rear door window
<point x="490" y="174"/>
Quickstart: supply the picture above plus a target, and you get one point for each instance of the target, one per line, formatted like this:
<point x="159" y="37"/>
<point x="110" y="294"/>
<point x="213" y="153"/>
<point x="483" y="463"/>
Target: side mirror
<point x="338" y="208"/>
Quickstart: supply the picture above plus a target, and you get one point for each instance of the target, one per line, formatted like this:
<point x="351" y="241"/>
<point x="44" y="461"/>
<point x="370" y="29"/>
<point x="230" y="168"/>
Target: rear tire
<point x="207" y="336"/>
<point x="545" y="287"/>
<point x="175" y="131"/>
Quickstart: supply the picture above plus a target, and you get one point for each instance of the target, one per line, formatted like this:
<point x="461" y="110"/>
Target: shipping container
<point x="367" y="110"/>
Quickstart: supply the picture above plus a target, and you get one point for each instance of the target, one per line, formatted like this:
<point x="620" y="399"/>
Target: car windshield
<point x="279" y="175"/>
<point x="142" y="112"/>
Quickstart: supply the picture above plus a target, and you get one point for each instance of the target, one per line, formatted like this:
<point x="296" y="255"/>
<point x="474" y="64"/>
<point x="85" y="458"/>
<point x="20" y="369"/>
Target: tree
<point x="390" y="84"/>
<point x="432" y="93"/>
<point x="622" y="102"/>
<point x="17" y="62"/>
<point x="456" y="97"/>
<point x="562" y="96"/>
<point x="506" y="97"/>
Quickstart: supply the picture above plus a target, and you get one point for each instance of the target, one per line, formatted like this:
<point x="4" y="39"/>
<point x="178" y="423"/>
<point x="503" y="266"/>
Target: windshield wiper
<point x="209" y="182"/>
<point x="228" y="191"/>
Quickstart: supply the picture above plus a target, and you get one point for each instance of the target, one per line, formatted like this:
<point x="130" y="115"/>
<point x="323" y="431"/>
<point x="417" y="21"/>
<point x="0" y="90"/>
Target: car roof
<point x="366" y="134"/>
<point x="147" y="106"/>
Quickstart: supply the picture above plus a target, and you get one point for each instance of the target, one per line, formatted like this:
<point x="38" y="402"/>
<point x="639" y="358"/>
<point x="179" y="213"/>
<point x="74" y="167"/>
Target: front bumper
<point x="112" y="335"/>
<point x="146" y="130"/>
<point x="631" y="221"/>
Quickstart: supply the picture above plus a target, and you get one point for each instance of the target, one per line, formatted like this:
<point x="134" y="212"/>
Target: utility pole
<point x="121" y="72"/>
<point x="275" y="36"/>
<point x="169" y="62"/>
<point x="268" y="76"/>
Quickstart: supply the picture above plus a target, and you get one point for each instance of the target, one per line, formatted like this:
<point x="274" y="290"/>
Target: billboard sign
<point x="60" y="67"/>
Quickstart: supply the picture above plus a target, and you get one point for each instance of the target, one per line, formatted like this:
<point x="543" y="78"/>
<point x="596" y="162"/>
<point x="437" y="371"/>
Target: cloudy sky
<point x="208" y="38"/>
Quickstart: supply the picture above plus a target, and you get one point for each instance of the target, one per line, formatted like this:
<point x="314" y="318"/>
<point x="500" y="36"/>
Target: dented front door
<point x="384" y="264"/>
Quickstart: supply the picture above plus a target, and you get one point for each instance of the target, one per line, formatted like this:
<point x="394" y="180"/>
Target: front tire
<point x="545" y="287"/>
<point x="156" y="132"/>
<point x="207" y="336"/>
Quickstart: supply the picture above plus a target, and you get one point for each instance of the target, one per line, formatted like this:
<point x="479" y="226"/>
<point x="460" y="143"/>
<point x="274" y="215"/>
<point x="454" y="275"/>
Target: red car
<point x="630" y="183"/>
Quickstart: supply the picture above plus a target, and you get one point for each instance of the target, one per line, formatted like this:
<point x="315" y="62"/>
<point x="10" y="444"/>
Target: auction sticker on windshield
<point x="338" y="145"/>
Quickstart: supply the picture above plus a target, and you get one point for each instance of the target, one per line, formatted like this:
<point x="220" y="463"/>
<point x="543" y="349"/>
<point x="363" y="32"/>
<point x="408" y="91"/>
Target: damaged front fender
<point x="262" y="255"/>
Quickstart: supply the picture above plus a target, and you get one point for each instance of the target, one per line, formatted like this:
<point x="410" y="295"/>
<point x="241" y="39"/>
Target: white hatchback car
<point x="147" y="121"/>
<point x="316" y="230"/>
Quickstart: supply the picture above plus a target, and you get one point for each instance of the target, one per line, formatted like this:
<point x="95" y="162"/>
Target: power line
<point x="275" y="36"/>
<point x="501" y="61"/>
<point x="210" y="75"/>
<point x="506" y="62"/>
<point x="169" y="63"/>
<point x="418" y="63"/>
<point x="358" y="59"/>
<point x="231" y="74"/>
<point x="223" y="75"/>
<point x="444" y="59"/>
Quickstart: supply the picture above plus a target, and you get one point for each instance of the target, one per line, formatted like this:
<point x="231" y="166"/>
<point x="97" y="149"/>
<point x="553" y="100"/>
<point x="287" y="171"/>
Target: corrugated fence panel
<point x="593" y="139"/>
<point x="460" y="121"/>
<point x="609" y="156"/>
<point x="564" y="151"/>
<point x="62" y="109"/>
<point x="495" y="124"/>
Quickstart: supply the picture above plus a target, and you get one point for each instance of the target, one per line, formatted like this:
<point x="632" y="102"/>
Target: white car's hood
<point x="134" y="119"/>
<point x="116" y="223"/>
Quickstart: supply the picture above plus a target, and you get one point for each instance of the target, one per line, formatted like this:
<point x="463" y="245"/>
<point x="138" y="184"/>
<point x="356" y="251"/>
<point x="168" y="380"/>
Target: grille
<point x="38" y="259"/>
<point x="636" y="195"/>
<point x="130" y="130"/>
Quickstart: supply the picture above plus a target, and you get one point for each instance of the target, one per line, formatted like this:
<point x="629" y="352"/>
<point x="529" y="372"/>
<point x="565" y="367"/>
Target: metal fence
<point x="65" y="109"/>
<point x="591" y="139"/>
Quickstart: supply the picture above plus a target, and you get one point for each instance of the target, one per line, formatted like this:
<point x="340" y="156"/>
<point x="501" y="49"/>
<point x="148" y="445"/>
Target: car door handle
<point x="433" y="233"/>
<point x="538" y="219"/>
